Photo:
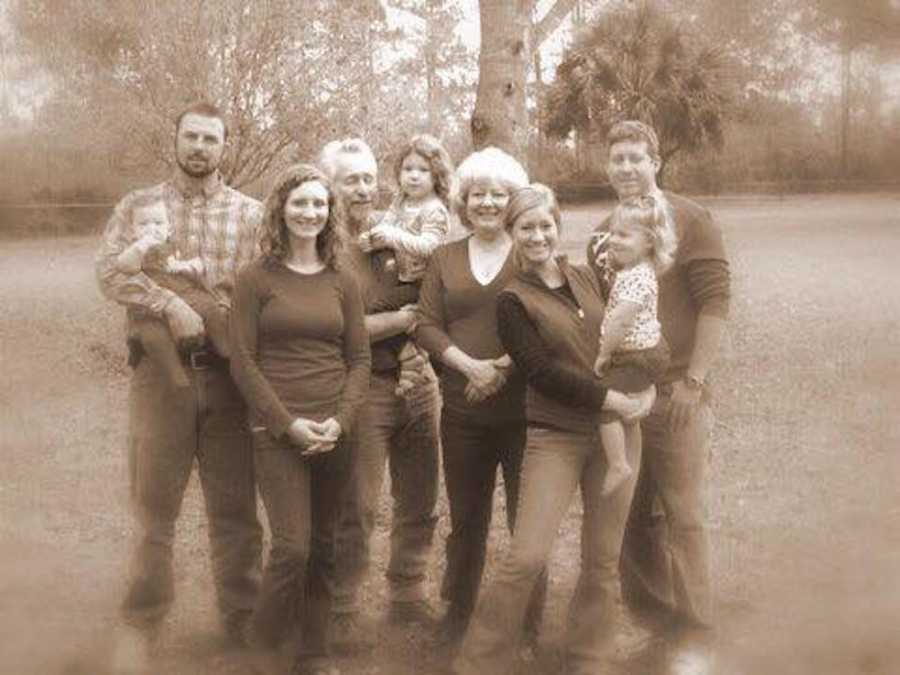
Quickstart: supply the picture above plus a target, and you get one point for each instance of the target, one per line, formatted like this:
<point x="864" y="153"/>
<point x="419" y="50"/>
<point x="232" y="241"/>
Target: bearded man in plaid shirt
<point x="169" y="426"/>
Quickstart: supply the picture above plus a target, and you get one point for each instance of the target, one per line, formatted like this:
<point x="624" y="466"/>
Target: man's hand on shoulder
<point x="186" y="325"/>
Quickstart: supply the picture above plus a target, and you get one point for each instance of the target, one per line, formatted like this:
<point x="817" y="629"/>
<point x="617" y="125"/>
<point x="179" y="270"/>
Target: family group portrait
<point x="449" y="337"/>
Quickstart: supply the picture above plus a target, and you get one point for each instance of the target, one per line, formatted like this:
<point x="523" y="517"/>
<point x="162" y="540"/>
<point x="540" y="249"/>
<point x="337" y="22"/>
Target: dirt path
<point x="805" y="504"/>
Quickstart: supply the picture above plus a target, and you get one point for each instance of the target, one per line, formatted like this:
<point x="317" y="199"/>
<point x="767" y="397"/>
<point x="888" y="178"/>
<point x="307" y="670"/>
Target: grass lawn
<point x="804" y="502"/>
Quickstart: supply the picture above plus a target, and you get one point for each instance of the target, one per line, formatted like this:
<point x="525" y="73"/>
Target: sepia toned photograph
<point x="450" y="337"/>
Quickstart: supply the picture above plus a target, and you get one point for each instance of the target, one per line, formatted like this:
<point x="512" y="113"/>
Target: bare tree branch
<point x="551" y="21"/>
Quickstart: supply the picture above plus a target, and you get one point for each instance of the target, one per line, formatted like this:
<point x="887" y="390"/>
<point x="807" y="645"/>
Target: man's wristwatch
<point x="693" y="382"/>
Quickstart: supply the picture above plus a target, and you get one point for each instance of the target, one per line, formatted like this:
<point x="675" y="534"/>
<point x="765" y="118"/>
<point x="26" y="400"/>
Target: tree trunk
<point x="581" y="163"/>
<point x="845" y="108"/>
<point x="538" y="95"/>
<point x="368" y="83"/>
<point x="431" y="68"/>
<point x="500" y="116"/>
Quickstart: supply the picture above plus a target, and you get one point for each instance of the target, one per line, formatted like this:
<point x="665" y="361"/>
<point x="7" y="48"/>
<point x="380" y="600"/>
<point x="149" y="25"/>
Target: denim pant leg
<point x="301" y="497"/>
<point x="329" y="475"/>
<point x="665" y="560"/>
<point x="284" y="484"/>
<point x="359" y="497"/>
<point x="511" y="442"/>
<point x="680" y="467"/>
<point x="413" y="456"/>
<point x="645" y="568"/>
<point x="162" y="444"/>
<point x="594" y="614"/>
<point x="551" y="471"/>
<point x="225" y="454"/>
<point x="470" y="458"/>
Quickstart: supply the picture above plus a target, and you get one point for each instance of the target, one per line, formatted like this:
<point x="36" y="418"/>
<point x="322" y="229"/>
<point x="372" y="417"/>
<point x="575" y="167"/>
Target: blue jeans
<point x="666" y="555"/>
<point x="168" y="428"/>
<point x="387" y="432"/>
<point x="301" y="498"/>
<point x="556" y="463"/>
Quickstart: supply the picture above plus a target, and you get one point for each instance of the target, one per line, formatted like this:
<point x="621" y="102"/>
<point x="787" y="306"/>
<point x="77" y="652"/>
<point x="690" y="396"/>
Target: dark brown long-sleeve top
<point x="381" y="292"/>
<point x="455" y="309"/>
<point x="299" y="345"/>
<point x="534" y="357"/>
<point x="552" y="335"/>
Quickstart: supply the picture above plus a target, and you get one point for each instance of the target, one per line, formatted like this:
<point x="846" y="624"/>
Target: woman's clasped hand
<point x="314" y="437"/>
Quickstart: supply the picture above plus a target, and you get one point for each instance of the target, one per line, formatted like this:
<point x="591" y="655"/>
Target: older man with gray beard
<point x="399" y="430"/>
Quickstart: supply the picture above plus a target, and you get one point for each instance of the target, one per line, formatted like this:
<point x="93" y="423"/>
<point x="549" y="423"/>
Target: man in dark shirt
<point x="665" y="562"/>
<point x="402" y="431"/>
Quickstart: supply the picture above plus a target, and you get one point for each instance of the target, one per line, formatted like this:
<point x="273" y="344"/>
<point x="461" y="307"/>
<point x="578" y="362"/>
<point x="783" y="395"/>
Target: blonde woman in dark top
<point x="301" y="359"/>
<point x="549" y="323"/>
<point x="483" y="416"/>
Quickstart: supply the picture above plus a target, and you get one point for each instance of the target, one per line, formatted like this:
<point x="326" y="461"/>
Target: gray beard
<point x="358" y="218"/>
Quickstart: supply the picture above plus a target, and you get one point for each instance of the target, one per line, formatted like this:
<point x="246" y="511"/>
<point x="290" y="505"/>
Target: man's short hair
<point x="634" y="131"/>
<point x="345" y="146"/>
<point x="204" y="109"/>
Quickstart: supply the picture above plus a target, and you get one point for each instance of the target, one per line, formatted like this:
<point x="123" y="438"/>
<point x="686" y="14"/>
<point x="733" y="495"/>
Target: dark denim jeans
<point x="471" y="454"/>
<point x="556" y="463"/>
<point x="168" y="428"/>
<point x="301" y="497"/>
<point x="387" y="432"/>
<point x="665" y="555"/>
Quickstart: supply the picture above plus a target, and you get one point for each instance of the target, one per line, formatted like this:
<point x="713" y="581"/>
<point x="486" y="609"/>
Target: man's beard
<point x="358" y="215"/>
<point x="207" y="169"/>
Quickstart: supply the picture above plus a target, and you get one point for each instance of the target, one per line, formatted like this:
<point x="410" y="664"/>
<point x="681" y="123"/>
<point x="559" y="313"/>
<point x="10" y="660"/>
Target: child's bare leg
<point x="634" y="441"/>
<point x="159" y="346"/>
<point x="214" y="314"/>
<point x="618" y="470"/>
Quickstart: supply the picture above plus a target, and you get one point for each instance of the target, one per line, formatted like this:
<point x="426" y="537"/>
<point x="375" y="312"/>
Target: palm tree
<point x="636" y="63"/>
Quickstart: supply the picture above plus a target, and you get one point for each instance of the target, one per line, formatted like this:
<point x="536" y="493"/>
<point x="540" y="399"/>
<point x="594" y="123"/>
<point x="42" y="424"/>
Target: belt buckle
<point x="199" y="359"/>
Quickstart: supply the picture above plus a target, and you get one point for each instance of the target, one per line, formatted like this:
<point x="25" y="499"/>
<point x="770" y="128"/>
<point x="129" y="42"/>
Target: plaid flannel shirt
<point x="218" y="224"/>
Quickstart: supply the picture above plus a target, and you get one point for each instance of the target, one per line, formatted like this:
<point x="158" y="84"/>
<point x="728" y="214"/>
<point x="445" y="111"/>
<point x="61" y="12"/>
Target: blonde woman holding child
<point x="633" y="354"/>
<point x="548" y="320"/>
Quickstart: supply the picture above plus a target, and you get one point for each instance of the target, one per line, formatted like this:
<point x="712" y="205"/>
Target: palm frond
<point x="635" y="62"/>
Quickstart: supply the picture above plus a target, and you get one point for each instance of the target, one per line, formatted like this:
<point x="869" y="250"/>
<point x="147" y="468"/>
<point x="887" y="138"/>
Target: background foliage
<point x="759" y="95"/>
